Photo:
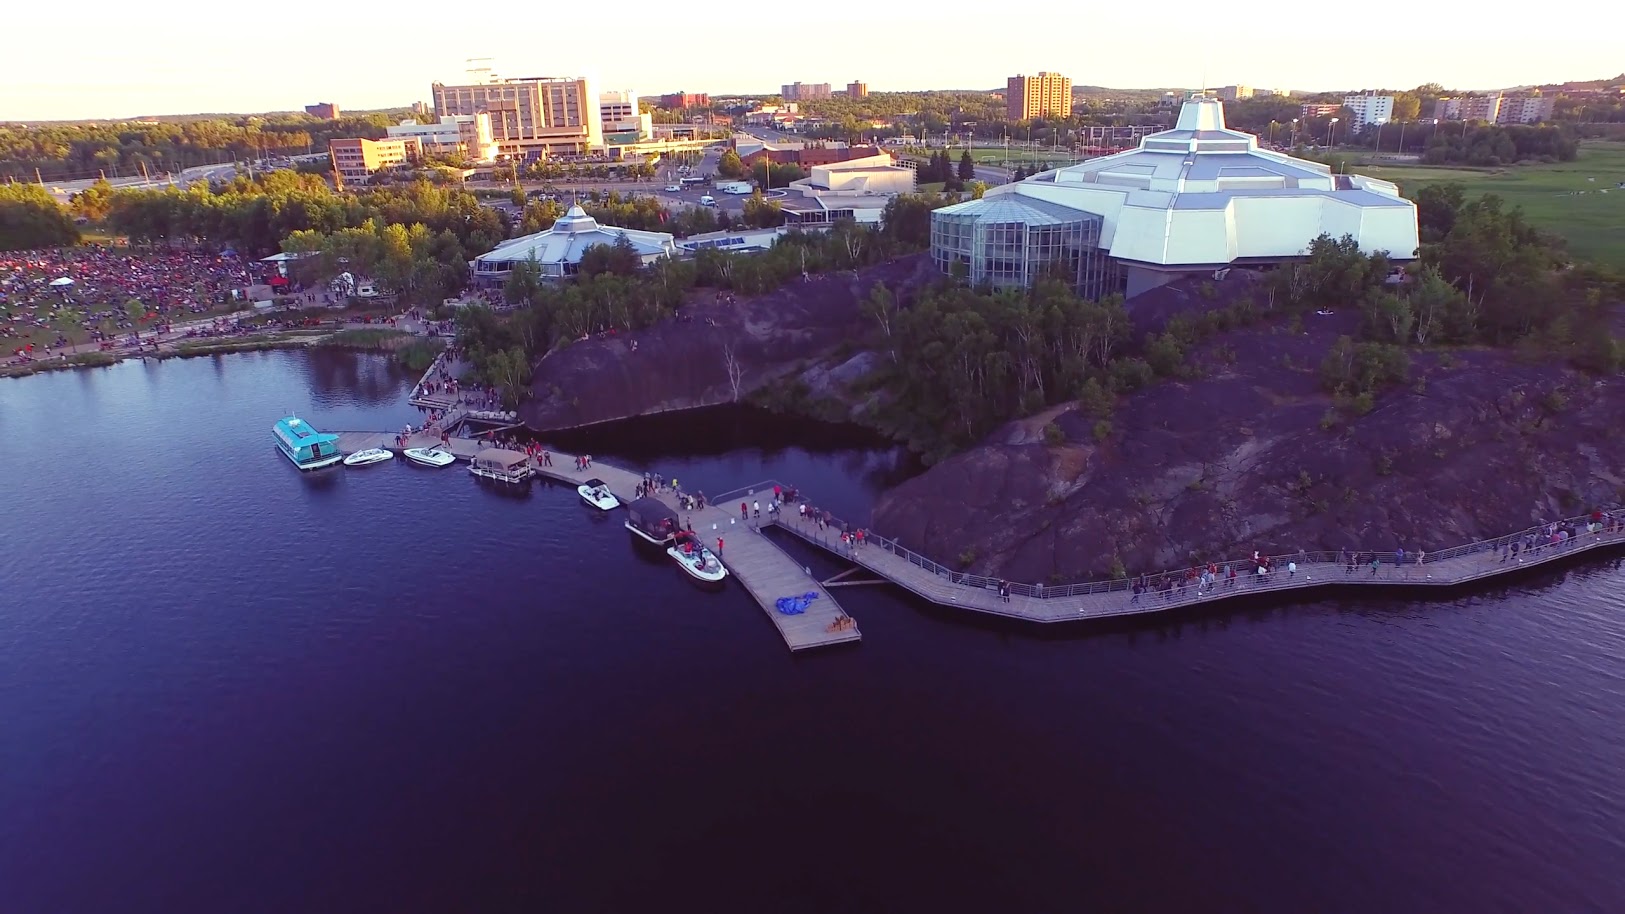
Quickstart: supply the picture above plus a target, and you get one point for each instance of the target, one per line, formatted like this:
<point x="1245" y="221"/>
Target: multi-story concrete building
<point x="804" y="92"/>
<point x="618" y="112"/>
<point x="675" y="101"/>
<point x="1233" y="93"/>
<point x="1485" y="108"/>
<point x="1370" y="109"/>
<point x="357" y="159"/>
<point x="456" y="134"/>
<point x="857" y="89"/>
<point x="1318" y="109"/>
<point x="532" y="116"/>
<point x="1525" y="109"/>
<point x="1044" y="95"/>
<point x="327" y="111"/>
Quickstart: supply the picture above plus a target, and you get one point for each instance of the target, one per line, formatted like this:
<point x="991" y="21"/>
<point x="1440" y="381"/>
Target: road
<point x="63" y="190"/>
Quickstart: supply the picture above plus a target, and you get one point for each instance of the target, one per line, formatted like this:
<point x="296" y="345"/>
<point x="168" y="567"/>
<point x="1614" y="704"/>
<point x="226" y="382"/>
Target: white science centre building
<point x="1190" y="200"/>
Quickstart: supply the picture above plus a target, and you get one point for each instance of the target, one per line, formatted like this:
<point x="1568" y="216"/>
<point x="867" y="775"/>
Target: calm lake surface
<point x="229" y="687"/>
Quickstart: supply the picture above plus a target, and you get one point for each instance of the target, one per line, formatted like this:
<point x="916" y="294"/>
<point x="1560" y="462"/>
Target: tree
<point x="1407" y="107"/>
<point x="619" y="259"/>
<point x="30" y="218"/>
<point x="967" y="167"/>
<point x="977" y="189"/>
<point x="730" y="165"/>
<point x="94" y="202"/>
<point x="762" y="213"/>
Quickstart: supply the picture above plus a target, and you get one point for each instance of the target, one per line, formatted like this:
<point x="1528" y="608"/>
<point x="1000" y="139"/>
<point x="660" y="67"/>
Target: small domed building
<point x="558" y="250"/>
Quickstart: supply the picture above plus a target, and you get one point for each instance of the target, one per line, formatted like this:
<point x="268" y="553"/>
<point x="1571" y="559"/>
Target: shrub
<point x="1053" y="435"/>
<point x="1131" y="374"/>
<point x="1103" y="430"/>
<point x="1095" y="400"/>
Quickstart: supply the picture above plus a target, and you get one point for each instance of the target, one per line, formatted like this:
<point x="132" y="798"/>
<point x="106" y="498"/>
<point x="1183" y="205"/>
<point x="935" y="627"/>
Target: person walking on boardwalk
<point x="756" y="509"/>
<point x="744" y="511"/>
<point x="719" y="545"/>
<point x="1374" y="564"/>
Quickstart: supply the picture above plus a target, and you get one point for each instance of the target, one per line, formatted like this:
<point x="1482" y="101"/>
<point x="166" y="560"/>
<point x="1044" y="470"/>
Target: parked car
<point x="672" y="188"/>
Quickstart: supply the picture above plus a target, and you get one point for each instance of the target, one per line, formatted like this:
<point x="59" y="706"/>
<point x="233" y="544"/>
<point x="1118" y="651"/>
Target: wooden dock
<point x="766" y="571"/>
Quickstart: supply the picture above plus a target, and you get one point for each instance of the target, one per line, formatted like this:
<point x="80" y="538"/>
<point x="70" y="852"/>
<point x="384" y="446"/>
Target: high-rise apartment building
<point x="804" y="92"/>
<point x="1318" y="109"/>
<point x="1525" y="109"/>
<point x="539" y="115"/>
<point x="1370" y="110"/>
<point x="1045" y="95"/>
<point x="1485" y="108"/>
<point x="357" y="159"/>
<point x="857" y="90"/>
<point x="1233" y="93"/>
<point x="327" y="111"/>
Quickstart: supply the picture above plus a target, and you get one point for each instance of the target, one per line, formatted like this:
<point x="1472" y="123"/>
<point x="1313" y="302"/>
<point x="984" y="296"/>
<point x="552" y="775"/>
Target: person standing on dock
<point x="719" y="546"/>
<point x="744" y="511"/>
<point x="756" y="510"/>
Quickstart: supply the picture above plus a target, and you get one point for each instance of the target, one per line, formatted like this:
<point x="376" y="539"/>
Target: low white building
<point x="454" y="134"/>
<point x="1189" y="200"/>
<point x="857" y="189"/>
<point x="621" y="119"/>
<point x="877" y="174"/>
<point x="557" y="251"/>
<point x="751" y="239"/>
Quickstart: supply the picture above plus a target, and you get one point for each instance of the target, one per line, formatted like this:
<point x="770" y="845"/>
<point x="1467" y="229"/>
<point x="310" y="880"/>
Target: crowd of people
<point x="96" y="285"/>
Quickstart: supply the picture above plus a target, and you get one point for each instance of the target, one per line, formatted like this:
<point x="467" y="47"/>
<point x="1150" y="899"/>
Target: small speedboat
<point x="367" y="457"/>
<point x="596" y="492"/>
<point x="700" y="562"/>
<point x="430" y="456"/>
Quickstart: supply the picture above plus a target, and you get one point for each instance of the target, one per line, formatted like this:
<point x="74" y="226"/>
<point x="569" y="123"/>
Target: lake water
<point x="229" y="687"/>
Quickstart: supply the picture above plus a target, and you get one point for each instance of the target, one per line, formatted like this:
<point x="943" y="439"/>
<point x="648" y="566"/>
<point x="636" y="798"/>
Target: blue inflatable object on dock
<point x="795" y="606"/>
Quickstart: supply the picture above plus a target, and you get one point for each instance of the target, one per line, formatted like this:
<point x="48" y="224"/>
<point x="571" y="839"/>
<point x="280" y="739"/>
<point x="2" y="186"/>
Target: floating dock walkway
<point x="767" y="571"/>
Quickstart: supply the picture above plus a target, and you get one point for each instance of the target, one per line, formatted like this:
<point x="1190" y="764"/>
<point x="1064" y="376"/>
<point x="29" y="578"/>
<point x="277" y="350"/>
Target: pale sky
<point x="189" y="56"/>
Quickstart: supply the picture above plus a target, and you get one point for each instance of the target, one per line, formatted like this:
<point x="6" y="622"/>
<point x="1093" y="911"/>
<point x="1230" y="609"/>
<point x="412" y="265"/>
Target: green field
<point x="1580" y="200"/>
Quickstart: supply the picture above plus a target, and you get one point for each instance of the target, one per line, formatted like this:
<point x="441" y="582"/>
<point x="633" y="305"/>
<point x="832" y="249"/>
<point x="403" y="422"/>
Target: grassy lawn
<point x="932" y="187"/>
<point x="1561" y="198"/>
<point x="995" y="155"/>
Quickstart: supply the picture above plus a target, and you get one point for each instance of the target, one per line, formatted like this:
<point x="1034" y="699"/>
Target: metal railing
<point x="1535" y="542"/>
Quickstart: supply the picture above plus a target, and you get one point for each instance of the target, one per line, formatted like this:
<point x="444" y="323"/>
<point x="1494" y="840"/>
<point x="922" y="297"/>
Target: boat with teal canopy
<point x="308" y="448"/>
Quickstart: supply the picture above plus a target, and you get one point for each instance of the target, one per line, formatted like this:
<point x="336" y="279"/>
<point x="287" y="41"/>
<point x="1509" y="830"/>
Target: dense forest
<point x="62" y="152"/>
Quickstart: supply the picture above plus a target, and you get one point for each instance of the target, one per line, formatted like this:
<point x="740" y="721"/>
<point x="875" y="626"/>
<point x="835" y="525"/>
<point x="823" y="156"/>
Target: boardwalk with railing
<point x="930" y="580"/>
<point x="769" y="573"/>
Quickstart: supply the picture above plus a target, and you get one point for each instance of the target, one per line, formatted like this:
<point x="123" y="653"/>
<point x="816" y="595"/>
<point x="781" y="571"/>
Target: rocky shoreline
<point x="1252" y="453"/>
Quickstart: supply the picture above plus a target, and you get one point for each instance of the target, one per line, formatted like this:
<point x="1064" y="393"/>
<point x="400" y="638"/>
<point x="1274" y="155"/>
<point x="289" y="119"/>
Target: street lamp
<point x="1293" y="141"/>
<point x="1330" y="129"/>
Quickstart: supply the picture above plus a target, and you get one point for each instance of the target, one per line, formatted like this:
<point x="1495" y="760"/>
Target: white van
<point x="708" y="200"/>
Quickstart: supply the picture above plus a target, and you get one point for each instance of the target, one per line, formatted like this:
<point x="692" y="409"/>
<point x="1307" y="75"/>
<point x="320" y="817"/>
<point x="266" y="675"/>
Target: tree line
<point x="255" y="215"/>
<point x="71" y="151"/>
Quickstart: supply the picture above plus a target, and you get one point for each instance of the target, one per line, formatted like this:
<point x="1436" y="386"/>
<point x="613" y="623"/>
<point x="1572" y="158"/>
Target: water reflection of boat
<point x="700" y="562"/>
<point x="652" y="520"/>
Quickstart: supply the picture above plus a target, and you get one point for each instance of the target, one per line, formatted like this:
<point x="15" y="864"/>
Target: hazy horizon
<point x="118" y="68"/>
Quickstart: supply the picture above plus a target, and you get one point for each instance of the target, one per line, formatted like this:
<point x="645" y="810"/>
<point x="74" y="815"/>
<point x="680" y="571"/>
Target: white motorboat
<point x="368" y="457"/>
<point x="596" y="492"/>
<point x="700" y="562"/>
<point x="430" y="456"/>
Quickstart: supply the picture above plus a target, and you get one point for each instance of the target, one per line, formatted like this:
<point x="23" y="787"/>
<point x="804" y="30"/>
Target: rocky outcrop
<point x="719" y="351"/>
<point x="1255" y="456"/>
